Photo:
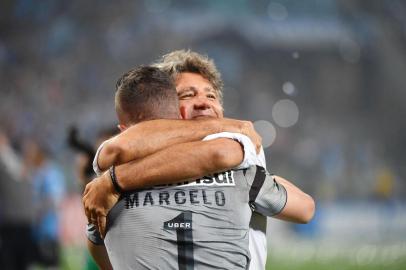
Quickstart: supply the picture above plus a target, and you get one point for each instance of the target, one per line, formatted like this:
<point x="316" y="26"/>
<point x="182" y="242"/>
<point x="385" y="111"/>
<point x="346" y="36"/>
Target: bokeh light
<point x="295" y="55"/>
<point x="267" y="132"/>
<point x="289" y="88"/>
<point x="277" y="11"/>
<point x="285" y="113"/>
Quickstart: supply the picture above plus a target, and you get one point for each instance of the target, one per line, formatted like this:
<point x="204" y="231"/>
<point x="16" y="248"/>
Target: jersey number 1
<point x="183" y="226"/>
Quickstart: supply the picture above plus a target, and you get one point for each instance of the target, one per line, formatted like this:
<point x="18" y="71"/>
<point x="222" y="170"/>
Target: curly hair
<point x="180" y="61"/>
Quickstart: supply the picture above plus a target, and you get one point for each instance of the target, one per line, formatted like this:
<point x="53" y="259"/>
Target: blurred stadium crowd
<point x="323" y="80"/>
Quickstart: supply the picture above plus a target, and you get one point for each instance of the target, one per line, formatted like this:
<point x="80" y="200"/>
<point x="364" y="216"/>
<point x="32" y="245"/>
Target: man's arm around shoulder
<point x="300" y="207"/>
<point x="149" y="137"/>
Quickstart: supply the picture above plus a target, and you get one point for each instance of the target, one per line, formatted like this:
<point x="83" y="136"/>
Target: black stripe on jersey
<point x="185" y="243"/>
<point x="259" y="179"/>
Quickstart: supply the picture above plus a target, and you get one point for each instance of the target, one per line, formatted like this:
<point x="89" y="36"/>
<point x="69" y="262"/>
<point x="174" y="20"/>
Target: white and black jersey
<point x="219" y="207"/>
<point x="199" y="225"/>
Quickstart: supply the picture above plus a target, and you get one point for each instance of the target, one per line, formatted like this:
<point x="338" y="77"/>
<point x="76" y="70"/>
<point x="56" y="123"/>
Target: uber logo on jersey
<point x="182" y="222"/>
<point x="177" y="225"/>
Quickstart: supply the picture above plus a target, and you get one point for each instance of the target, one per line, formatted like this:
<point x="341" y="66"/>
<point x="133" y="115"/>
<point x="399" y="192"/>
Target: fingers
<point x="96" y="218"/>
<point x="88" y="216"/>
<point x="90" y="211"/>
<point x="258" y="148"/>
<point x="93" y="219"/>
<point x="101" y="224"/>
<point x="254" y="136"/>
<point x="87" y="202"/>
<point x="86" y="189"/>
<point x="97" y="203"/>
<point x="258" y="144"/>
<point x="87" y="209"/>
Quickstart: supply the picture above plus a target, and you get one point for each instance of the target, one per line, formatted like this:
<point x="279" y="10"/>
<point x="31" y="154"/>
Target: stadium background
<point x="323" y="80"/>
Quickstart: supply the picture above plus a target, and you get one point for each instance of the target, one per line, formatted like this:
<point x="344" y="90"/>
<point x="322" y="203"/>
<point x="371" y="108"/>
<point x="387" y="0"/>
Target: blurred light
<point x="366" y="255"/>
<point x="277" y="11"/>
<point x="308" y="253"/>
<point x="329" y="254"/>
<point x="267" y="132"/>
<point x="349" y="49"/>
<point x="391" y="253"/>
<point x="285" y="113"/>
<point x="157" y="6"/>
<point x="289" y="89"/>
<point x="295" y="55"/>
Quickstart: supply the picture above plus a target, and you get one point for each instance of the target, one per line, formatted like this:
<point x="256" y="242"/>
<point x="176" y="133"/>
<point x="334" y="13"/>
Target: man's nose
<point x="202" y="103"/>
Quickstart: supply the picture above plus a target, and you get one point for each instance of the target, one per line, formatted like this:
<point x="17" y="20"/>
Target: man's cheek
<point x="219" y="112"/>
<point x="183" y="112"/>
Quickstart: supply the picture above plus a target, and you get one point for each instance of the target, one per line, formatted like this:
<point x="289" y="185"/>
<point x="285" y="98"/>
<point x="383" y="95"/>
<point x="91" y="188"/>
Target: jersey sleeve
<point x="96" y="167"/>
<point x="266" y="195"/>
<point x="250" y="155"/>
<point x="93" y="234"/>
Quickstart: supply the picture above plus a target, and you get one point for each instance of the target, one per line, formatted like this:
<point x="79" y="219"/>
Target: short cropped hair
<point x="145" y="93"/>
<point x="187" y="61"/>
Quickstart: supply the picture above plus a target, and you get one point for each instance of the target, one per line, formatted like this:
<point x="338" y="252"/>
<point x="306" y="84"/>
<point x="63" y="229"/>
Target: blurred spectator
<point x="86" y="152"/>
<point x="48" y="192"/>
<point x="15" y="210"/>
<point x="84" y="165"/>
<point x="385" y="181"/>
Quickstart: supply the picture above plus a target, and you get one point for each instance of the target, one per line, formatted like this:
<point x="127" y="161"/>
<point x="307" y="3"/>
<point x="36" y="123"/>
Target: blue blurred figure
<point x="48" y="192"/>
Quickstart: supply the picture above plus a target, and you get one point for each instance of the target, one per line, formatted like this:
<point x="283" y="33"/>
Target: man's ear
<point x="122" y="127"/>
